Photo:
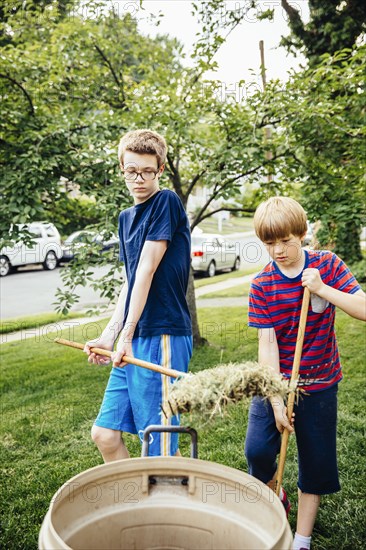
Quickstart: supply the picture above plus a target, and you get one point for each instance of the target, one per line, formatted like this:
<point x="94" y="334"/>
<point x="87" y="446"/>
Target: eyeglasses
<point x="147" y="175"/>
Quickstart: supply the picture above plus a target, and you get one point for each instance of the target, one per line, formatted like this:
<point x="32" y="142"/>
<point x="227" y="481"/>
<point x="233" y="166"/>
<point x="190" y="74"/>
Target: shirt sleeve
<point x="165" y="218"/>
<point x="120" y="235"/>
<point x="258" y="314"/>
<point x="342" y="278"/>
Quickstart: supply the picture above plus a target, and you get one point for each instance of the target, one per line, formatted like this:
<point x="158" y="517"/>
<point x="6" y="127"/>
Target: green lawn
<point x="234" y="292"/>
<point x="233" y="225"/>
<point x="204" y="281"/>
<point x="51" y="397"/>
<point x="34" y="321"/>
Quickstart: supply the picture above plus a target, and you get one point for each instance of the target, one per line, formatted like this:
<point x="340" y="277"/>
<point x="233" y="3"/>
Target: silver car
<point x="45" y="248"/>
<point x="212" y="253"/>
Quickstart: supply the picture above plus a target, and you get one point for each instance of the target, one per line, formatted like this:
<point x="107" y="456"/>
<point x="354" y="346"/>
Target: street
<point x="32" y="290"/>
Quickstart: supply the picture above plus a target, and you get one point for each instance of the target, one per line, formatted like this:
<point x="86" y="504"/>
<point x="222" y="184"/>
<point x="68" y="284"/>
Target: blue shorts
<point x="315" y="429"/>
<point x="134" y="395"/>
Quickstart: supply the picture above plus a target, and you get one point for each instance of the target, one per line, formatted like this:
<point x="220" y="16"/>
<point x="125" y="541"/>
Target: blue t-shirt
<point x="161" y="217"/>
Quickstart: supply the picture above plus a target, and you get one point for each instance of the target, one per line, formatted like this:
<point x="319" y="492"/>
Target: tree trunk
<point x="191" y="299"/>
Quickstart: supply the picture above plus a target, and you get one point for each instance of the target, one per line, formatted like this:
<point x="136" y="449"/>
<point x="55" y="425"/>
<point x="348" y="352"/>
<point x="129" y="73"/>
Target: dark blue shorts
<point x="133" y="397"/>
<point x="315" y="429"/>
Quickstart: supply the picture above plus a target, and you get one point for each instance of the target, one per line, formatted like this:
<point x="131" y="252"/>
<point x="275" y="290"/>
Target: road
<point x="32" y="290"/>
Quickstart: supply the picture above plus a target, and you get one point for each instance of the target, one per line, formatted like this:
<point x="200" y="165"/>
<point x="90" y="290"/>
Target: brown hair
<point x="278" y="217"/>
<point x="143" y="142"/>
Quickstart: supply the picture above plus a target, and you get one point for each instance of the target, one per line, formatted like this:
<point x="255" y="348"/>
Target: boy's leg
<point x="262" y="441"/>
<point x="114" y="417"/>
<point x="149" y="389"/>
<point x="175" y="352"/>
<point x="262" y="445"/>
<point x="109" y="443"/>
<point x="315" y="428"/>
<point x="306" y="513"/>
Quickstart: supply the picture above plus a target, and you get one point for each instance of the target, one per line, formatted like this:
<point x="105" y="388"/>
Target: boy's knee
<point x="259" y="454"/>
<point x="105" y="438"/>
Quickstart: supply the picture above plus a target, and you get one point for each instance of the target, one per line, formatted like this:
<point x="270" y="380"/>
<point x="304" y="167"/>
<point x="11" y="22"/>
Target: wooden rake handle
<point x="294" y="377"/>
<point x="131" y="360"/>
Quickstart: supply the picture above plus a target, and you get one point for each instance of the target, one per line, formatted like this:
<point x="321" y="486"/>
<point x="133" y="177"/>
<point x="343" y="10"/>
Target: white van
<point x="46" y="249"/>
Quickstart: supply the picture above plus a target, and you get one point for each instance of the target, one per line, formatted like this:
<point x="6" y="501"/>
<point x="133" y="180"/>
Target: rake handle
<point x="127" y="359"/>
<point x="294" y="377"/>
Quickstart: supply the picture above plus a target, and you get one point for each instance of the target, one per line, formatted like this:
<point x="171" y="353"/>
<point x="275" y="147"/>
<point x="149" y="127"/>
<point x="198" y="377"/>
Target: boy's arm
<point x="268" y="354"/>
<point x="151" y="255"/>
<point x="353" y="304"/>
<point x="110" y="333"/>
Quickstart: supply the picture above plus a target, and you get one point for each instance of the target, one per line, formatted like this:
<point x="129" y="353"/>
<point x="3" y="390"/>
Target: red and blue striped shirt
<point x="275" y="302"/>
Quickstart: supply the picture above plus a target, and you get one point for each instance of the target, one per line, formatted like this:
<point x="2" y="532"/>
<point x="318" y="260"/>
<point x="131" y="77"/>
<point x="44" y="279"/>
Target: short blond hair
<point x="278" y="217"/>
<point x="143" y="142"/>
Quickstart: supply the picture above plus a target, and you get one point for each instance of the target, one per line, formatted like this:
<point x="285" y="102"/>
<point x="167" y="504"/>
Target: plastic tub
<point x="164" y="503"/>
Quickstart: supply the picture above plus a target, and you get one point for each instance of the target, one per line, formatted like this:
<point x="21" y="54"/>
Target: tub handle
<point x="172" y="429"/>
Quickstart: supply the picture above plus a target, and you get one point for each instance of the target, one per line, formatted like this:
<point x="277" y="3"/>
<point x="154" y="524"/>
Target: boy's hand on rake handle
<point x="312" y="280"/>
<point x="124" y="347"/>
<point x="280" y="414"/>
<point x="94" y="357"/>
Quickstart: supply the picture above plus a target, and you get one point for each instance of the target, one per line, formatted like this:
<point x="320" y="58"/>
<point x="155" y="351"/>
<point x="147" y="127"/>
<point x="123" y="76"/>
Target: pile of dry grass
<point x="213" y="389"/>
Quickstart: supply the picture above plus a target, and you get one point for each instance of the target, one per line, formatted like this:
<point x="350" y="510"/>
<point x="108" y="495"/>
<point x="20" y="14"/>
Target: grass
<point x="233" y="225"/>
<point x="234" y="292"/>
<point x="51" y="397"/>
<point x="35" y="321"/>
<point x="204" y="281"/>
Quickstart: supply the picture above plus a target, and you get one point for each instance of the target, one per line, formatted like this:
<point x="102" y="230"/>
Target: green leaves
<point x="322" y="114"/>
<point x="71" y="86"/>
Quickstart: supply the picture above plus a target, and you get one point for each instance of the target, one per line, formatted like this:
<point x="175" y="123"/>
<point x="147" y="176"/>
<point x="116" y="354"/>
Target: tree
<point x="71" y="88"/>
<point x="330" y="156"/>
<point x="56" y="9"/>
<point x="324" y="117"/>
<point x="214" y="142"/>
<point x="64" y="98"/>
<point x="332" y="26"/>
<point x="75" y="86"/>
<point x="67" y="95"/>
<point x="317" y="122"/>
<point x="337" y="197"/>
<point x="70" y="214"/>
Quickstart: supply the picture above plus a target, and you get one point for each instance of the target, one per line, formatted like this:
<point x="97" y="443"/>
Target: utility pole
<point x="267" y="131"/>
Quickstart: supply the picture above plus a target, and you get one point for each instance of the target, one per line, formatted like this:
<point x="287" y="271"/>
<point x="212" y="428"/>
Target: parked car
<point x="81" y="238"/>
<point x="45" y="250"/>
<point x="212" y="253"/>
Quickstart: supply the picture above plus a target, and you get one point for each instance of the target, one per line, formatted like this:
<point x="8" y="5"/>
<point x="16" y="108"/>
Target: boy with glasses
<point x="151" y="316"/>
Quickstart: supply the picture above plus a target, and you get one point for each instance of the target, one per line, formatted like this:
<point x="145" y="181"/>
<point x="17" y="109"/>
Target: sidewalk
<point x="70" y="324"/>
<point x="222" y="302"/>
<point x="223" y="285"/>
<point x="55" y="329"/>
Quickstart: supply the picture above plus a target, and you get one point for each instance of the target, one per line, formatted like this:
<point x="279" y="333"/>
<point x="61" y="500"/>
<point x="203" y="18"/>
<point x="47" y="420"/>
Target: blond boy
<point x="274" y="308"/>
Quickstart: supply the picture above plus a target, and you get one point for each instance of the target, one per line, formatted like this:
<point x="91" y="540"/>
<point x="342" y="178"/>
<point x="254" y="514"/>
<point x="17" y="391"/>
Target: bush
<point x="72" y="214"/>
<point x="359" y="270"/>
